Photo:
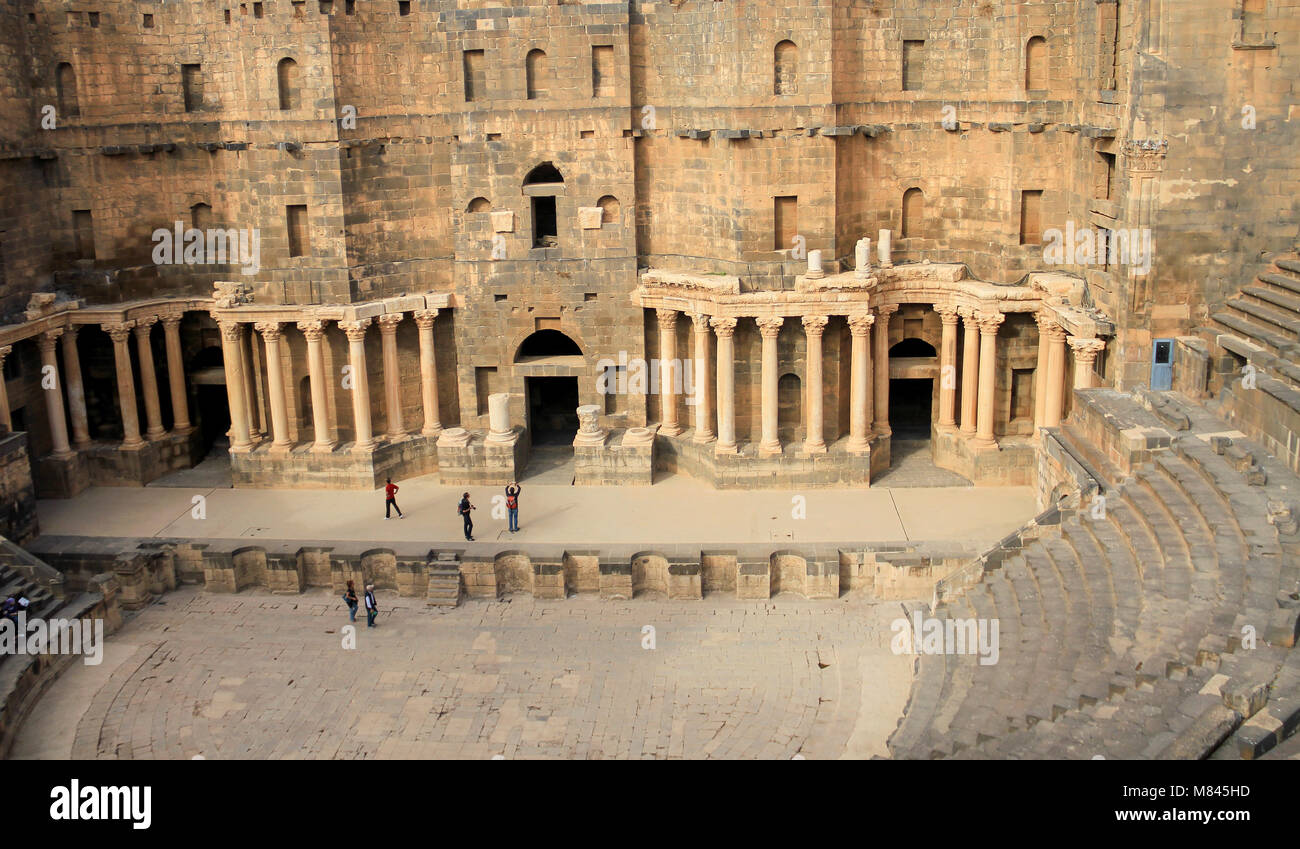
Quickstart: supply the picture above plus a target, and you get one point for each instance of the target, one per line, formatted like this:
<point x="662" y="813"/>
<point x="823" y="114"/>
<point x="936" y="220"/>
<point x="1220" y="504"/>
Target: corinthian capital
<point x="814" y="325"/>
<point x="388" y="322"/>
<point x="312" y="328"/>
<point x="270" y="330"/>
<point x="860" y="323"/>
<point x="355" y="330"/>
<point x="724" y="327"/>
<point x="989" y="320"/>
<point x="120" y="331"/>
<point x="424" y="319"/>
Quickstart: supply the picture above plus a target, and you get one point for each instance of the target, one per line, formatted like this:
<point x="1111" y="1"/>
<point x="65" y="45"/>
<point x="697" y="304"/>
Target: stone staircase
<point x="1126" y="628"/>
<point x="444" y="581"/>
<point x="1266" y="316"/>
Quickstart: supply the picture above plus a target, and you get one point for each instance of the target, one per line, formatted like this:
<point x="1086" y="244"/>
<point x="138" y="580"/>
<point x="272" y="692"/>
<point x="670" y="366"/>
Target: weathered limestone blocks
<point x="548" y="580"/>
<point x="718" y="571"/>
<point x="582" y="571"/>
<point x="135" y="580"/>
<point x="622" y="458"/>
<point x="754" y="579"/>
<point x="514" y="572"/>
<point x="284" y="576"/>
<point x="480" y="577"/>
<point x="649" y="572"/>
<point x="616" y="580"/>
<point x="685" y="579"/>
<point x="469" y="458"/>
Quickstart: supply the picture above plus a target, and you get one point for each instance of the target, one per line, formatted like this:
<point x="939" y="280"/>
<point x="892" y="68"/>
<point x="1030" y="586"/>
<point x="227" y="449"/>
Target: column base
<point x="278" y="448"/>
<point x="137" y="445"/>
<point x="943" y="427"/>
<point x="432" y="432"/>
<point x="154" y="435"/>
<point x="703" y="438"/>
<point x="367" y="447"/>
<point x="859" y="446"/>
<point x="769" y="449"/>
<point x="967" y="433"/>
<point x="986" y="443"/>
<point x="725" y="448"/>
<point x="322" y="448"/>
<point x="671" y="430"/>
<point x="884" y="430"/>
<point x="817" y="448"/>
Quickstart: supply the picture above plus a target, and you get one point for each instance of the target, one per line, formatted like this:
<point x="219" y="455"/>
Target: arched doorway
<point x="208" y="377"/>
<point x="551" y="363"/>
<point x="911" y="395"/>
<point x="789" y="408"/>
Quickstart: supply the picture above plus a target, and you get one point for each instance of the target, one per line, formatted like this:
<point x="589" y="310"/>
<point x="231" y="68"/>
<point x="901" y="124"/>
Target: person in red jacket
<point x="390" y="500"/>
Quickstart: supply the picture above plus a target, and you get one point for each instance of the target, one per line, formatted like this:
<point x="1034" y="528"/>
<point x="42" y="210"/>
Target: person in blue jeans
<point x="350" y="598"/>
<point x="512" y="504"/>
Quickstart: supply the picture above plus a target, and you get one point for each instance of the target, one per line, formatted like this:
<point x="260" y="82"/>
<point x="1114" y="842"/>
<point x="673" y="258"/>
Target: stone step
<point x="1288" y="264"/>
<point x="1271" y="317"/>
<point x="1256" y="333"/>
<point x="1288" y="303"/>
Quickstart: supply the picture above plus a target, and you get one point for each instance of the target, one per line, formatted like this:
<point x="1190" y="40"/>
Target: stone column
<point x="499" y="429"/>
<point x="860" y="395"/>
<point x="314" y="331"/>
<point x="356" y="333"/>
<point x="948" y="369"/>
<point x="1045" y="321"/>
<point x="270" y="331"/>
<point x="590" y="432"/>
<point x="1055" y="376"/>
<point x="48" y="343"/>
<point x="176" y="374"/>
<point x="251" y="398"/>
<point x="1085" y="358"/>
<point x="428" y="373"/>
<point x="120" y="333"/>
<point x="392" y="377"/>
<point x="726" y="330"/>
<point x="148" y="377"/>
<point x="886" y="248"/>
<point x="76" y="389"/>
<point x="969" y="370"/>
<point x="989" y="323"/>
<point x="233" y="359"/>
<point x="668" y="372"/>
<point x="6" y="418"/>
<point x="769" y="327"/>
<point x="814" y="326"/>
<point x="882" y="367"/>
<point x="700" y="384"/>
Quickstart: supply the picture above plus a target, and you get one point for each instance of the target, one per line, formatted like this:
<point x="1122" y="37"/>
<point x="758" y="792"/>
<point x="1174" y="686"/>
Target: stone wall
<point x="18" y="522"/>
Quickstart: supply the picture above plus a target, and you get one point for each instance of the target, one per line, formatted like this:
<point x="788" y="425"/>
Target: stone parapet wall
<point x="144" y="569"/>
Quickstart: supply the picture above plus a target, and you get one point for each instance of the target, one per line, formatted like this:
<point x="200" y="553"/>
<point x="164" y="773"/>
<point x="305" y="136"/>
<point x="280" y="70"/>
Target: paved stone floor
<point x="677" y="509"/>
<point x="262" y="676"/>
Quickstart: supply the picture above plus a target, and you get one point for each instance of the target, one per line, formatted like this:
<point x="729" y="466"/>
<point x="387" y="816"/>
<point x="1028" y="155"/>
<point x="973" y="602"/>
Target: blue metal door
<point x="1162" y="365"/>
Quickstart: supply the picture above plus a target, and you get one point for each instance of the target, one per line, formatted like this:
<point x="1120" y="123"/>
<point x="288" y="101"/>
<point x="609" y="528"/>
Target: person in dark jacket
<point x="463" y="509"/>
<point x="350" y="598"/>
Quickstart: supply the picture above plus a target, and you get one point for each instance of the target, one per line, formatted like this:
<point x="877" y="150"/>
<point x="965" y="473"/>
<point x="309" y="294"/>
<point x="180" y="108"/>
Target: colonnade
<point x="869" y="375"/>
<point x="243" y="406"/>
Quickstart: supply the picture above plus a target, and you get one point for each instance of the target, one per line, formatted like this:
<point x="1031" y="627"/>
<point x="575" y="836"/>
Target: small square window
<point x="404" y="7"/>
<point x="148" y="21"/>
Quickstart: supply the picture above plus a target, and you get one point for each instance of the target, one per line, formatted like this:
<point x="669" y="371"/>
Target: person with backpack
<point x="512" y="504"/>
<point x="350" y="599"/>
<point x="390" y="500"/>
<point x="463" y="509"/>
<point x="372" y="609"/>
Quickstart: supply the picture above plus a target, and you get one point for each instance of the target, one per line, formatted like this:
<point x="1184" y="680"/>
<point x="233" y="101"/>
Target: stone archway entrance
<point x="913" y="367"/>
<point x="208" y="377"/>
<point x="552" y="410"/>
<point x="550" y="365"/>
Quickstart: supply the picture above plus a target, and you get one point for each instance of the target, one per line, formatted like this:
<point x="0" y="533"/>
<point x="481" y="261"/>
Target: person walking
<point x="390" y="500"/>
<point x="512" y="504"/>
<point x="350" y="598"/>
<point x="463" y="509"/>
<point x="372" y="609"/>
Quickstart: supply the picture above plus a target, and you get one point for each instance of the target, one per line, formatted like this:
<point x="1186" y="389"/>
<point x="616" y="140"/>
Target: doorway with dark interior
<point x="552" y="425"/>
<point x="911" y="408"/>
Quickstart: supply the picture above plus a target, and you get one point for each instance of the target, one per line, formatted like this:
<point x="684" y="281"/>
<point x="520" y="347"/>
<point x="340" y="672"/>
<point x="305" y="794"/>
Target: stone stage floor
<point x="262" y="676"/>
<point x="676" y="509"/>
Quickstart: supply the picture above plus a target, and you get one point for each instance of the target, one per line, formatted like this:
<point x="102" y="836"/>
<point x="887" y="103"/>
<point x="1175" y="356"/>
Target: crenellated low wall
<point x="147" y="568"/>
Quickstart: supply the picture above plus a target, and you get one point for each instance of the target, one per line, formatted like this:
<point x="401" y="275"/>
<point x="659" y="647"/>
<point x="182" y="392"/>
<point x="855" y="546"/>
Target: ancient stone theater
<point x="760" y="246"/>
